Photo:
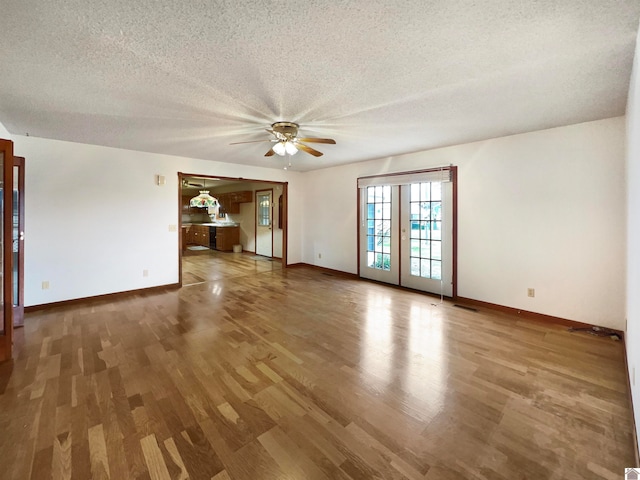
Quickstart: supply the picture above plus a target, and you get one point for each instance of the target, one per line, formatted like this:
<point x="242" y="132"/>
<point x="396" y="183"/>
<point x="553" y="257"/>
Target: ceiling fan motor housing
<point x="287" y="129"/>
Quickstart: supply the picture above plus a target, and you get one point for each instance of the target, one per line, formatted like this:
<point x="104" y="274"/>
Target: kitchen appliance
<point x="212" y="238"/>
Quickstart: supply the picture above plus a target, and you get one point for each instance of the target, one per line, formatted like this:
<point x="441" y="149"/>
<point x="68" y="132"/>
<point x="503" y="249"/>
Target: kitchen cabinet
<point x="226" y="238"/>
<point x="230" y="202"/>
<point x="186" y="208"/>
<point x="200" y="235"/>
<point x="196" y="235"/>
<point x="242" y="197"/>
<point x="227" y="205"/>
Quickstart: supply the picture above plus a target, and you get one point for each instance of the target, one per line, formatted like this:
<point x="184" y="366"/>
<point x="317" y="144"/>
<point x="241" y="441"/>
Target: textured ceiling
<point x="381" y="78"/>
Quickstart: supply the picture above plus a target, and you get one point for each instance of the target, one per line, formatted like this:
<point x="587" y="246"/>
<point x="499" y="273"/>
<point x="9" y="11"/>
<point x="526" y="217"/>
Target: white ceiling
<point x="381" y="78"/>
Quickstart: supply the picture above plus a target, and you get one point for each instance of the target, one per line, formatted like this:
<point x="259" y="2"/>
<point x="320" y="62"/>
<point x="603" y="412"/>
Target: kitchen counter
<point x="214" y="235"/>
<point x="213" y="224"/>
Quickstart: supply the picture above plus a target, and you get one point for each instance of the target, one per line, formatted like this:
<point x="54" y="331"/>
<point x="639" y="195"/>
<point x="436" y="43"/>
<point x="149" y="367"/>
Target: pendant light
<point x="204" y="199"/>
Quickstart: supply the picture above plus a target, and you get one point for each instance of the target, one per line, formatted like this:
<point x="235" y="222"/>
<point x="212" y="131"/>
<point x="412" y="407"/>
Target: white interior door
<point x="379" y="247"/>
<point x="264" y="223"/>
<point x="426" y="237"/>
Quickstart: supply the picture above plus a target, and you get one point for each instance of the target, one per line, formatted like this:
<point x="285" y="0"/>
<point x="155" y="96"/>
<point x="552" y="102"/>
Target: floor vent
<point x="465" y="307"/>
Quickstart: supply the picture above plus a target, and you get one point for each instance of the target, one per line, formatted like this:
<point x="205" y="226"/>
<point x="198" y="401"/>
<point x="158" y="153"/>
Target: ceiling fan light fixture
<point x="280" y="148"/>
<point x="287" y="142"/>
<point x="290" y="148"/>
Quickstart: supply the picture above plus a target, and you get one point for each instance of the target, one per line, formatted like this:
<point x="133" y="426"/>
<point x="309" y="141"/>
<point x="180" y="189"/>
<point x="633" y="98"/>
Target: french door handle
<point x="21" y="236"/>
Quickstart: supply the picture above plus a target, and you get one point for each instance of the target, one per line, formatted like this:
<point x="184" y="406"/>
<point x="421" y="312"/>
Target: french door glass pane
<point x="415" y="266"/>
<point x="424" y="191"/>
<point x="425" y="210"/>
<point x="436" y="230"/>
<point x="16" y="235"/>
<point x="436" y="249"/>
<point x="436" y="269"/>
<point x="424" y="268"/>
<point x="436" y="191"/>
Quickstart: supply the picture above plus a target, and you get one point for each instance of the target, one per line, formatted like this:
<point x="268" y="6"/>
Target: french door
<point x="406" y="230"/>
<point x="6" y="213"/>
<point x="379" y="234"/>
<point x="18" y="242"/>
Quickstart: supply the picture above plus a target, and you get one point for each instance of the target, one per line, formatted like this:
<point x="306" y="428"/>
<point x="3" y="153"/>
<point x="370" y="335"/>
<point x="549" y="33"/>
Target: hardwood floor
<point x="207" y="265"/>
<point x="272" y="374"/>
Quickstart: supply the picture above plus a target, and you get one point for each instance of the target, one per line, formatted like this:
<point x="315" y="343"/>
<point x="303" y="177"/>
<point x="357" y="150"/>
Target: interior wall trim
<point x="541" y="317"/>
<point x="469" y="301"/>
<point x="106" y="296"/>
<point x="633" y="415"/>
<point x="330" y="271"/>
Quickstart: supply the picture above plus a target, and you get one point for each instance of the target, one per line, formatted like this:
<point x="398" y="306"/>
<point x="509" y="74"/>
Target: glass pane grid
<point x="379" y="227"/>
<point x="425" y="207"/>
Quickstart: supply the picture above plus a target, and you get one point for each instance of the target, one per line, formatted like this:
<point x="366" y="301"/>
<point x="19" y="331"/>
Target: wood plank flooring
<point x="267" y="373"/>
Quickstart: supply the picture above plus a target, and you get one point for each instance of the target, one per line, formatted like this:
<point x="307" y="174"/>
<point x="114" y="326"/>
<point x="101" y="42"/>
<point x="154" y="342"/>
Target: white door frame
<point x="451" y="213"/>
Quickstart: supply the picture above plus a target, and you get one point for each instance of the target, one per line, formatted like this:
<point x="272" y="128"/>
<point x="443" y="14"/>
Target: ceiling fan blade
<point x="270" y="153"/>
<point x="252" y="141"/>
<point x="308" y="149"/>
<point x="318" y="140"/>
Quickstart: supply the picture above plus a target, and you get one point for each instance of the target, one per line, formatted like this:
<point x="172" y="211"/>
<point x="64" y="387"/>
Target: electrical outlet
<point x="319" y="255"/>
<point x="145" y="273"/>
<point x="45" y="285"/>
<point x="531" y="292"/>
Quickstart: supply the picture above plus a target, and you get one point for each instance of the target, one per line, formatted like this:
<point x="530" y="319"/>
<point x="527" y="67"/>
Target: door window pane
<point x="424" y="191"/>
<point x="264" y="210"/>
<point x="436" y="232"/>
<point x="16" y="236"/>
<point x="415" y="267"/>
<point x="425" y="201"/>
<point x="436" y="191"/>
<point x="436" y="269"/>
<point x="425" y="271"/>
<point x="436" y="249"/>
<point x="379" y="227"/>
<point x="415" y="248"/>
<point x="425" y="210"/>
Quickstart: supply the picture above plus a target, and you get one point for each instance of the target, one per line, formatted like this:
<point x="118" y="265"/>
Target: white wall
<point x="95" y="218"/>
<point x="543" y="210"/>
<point x="4" y="133"/>
<point x="632" y="336"/>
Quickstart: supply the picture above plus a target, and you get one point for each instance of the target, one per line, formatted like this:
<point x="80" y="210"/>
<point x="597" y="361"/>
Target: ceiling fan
<point x="287" y="141"/>
<point x="186" y="183"/>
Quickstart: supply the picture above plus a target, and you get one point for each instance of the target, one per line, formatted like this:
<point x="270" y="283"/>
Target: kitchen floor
<point x="200" y="266"/>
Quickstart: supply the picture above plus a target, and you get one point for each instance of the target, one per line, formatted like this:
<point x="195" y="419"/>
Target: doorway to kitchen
<point x="221" y="231"/>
